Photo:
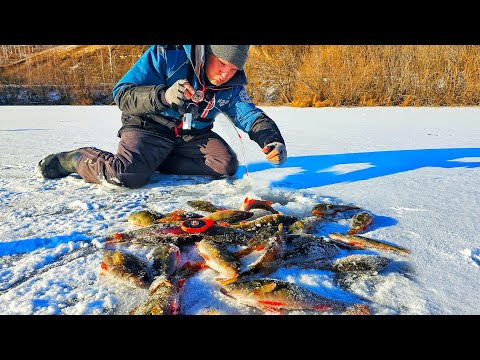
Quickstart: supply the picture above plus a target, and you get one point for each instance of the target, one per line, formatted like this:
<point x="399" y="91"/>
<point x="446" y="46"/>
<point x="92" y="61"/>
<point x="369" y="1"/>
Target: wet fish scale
<point x="361" y="242"/>
<point x="258" y="241"/>
<point x="304" y="225"/>
<point x="360" y="222"/>
<point x="158" y="301"/>
<point x="273" y="295"/>
<point x="154" y="234"/>
<point x="163" y="296"/>
<point x="178" y="215"/>
<point x="249" y="204"/>
<point x="262" y="237"/>
<point x="230" y="216"/>
<point x="203" y="205"/>
<point x="219" y="259"/>
<point x="310" y="251"/>
<point x="360" y="262"/>
<point x="227" y="234"/>
<point x="297" y="240"/>
<point x="355" y="263"/>
<point x="270" y="258"/>
<point x="149" y="217"/>
<point x="165" y="259"/>
<point x="125" y="267"/>
<point x="144" y="217"/>
<point x="267" y="220"/>
<point x="346" y="280"/>
<point x="321" y="210"/>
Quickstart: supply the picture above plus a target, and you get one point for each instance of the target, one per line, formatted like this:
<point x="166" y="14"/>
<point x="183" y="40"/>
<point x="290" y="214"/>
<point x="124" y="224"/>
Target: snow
<point x="417" y="170"/>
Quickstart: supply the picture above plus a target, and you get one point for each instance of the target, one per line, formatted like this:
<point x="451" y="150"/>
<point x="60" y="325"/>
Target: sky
<point x="416" y="170"/>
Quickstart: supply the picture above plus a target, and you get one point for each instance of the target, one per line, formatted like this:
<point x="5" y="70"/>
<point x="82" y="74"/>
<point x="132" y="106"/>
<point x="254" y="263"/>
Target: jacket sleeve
<point x="264" y="131"/>
<point x="246" y="116"/>
<point x="137" y="92"/>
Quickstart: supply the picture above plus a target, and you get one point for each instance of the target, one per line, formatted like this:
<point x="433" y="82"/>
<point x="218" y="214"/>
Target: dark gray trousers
<point x="140" y="154"/>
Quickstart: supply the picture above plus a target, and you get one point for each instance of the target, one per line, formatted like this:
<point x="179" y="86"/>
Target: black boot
<point x="59" y="165"/>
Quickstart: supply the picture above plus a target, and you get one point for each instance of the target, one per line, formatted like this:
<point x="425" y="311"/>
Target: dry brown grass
<point x="80" y="74"/>
<point x="368" y="75"/>
<point x="295" y="75"/>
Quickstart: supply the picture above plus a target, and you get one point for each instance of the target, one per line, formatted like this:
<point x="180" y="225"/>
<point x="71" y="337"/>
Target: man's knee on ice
<point x="225" y="166"/>
<point x="232" y="167"/>
<point x="131" y="180"/>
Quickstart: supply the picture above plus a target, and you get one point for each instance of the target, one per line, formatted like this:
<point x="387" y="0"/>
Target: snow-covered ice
<point x="417" y="170"/>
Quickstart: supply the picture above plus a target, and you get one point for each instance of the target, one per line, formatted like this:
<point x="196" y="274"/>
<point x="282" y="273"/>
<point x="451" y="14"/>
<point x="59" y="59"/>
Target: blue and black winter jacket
<point x="137" y="94"/>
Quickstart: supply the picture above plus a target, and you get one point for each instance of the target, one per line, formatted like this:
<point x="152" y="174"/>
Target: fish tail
<point x="402" y="250"/>
<point x="357" y="309"/>
<point x="224" y="281"/>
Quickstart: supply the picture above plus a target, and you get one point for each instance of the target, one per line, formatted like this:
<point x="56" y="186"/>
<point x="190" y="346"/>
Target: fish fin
<point x="199" y="265"/>
<point x="244" y="252"/>
<point x="156" y="310"/>
<point x="245" y="202"/>
<point x="224" y="281"/>
<point x="205" y="256"/>
<point x="103" y="272"/>
<point x="322" y="307"/>
<point x="357" y="309"/>
<point x="272" y="311"/>
<point x="186" y="264"/>
<point x="174" y="307"/>
<point x="267" y="270"/>
<point x="180" y="283"/>
<point x="115" y="238"/>
<point x="118" y="258"/>
<point x="103" y="267"/>
<point x="265" y="288"/>
<point x="247" y="272"/>
<point x="157" y="283"/>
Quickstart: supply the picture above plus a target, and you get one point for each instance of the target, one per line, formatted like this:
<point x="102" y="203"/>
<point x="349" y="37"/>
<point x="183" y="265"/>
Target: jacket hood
<point x="197" y="54"/>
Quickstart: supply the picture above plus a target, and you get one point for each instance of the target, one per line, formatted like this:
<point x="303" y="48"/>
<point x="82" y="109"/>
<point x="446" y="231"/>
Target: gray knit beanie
<point x="234" y="54"/>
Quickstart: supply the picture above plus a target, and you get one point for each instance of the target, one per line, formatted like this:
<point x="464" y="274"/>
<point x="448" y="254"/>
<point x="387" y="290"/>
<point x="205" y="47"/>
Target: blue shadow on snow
<point x="317" y="170"/>
<point x="29" y="245"/>
<point x="25" y="129"/>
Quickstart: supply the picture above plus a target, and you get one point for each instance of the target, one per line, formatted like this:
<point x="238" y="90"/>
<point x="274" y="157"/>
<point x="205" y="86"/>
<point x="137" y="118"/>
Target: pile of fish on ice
<point x="243" y="252"/>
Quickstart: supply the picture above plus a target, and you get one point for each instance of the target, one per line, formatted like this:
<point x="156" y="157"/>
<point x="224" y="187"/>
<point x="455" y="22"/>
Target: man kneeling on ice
<point x="169" y="100"/>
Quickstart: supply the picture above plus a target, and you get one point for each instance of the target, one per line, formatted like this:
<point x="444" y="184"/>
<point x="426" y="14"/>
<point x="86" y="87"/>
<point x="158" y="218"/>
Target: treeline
<point x="13" y="53"/>
<point x="371" y="75"/>
<point x="295" y="75"/>
<point x="64" y="75"/>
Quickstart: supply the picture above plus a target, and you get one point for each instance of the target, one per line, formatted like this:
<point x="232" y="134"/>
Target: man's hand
<point x="276" y="153"/>
<point x="176" y="94"/>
